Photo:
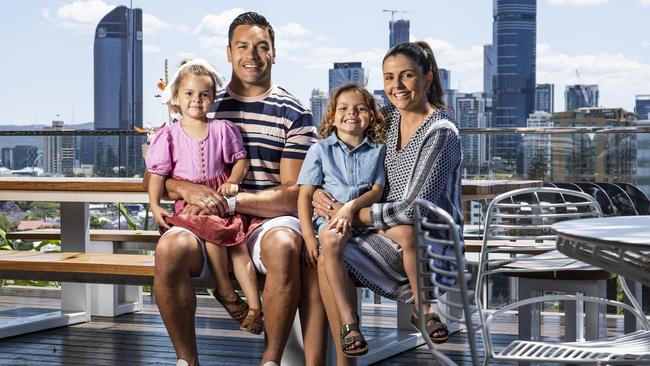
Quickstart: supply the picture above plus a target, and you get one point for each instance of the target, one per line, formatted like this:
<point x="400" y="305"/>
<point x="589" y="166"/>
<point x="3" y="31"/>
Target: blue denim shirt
<point x="344" y="173"/>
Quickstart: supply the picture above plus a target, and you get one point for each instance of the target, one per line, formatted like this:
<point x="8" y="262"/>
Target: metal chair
<point x="438" y="242"/>
<point x="521" y="221"/>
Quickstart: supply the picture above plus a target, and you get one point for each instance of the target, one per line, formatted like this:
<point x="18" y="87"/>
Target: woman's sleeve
<point x="439" y="156"/>
<point x="159" y="154"/>
<point x="232" y="144"/>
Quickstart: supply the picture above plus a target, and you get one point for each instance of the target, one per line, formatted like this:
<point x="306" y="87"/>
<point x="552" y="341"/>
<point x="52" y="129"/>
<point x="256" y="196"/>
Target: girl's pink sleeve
<point x="159" y="154"/>
<point x="232" y="143"/>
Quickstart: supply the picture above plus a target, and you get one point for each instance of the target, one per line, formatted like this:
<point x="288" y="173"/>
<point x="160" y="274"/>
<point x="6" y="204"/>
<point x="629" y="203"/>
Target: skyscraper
<point x="580" y="96"/>
<point x="470" y="110"/>
<point x="58" y="152"/>
<point x="488" y="69"/>
<point x="345" y="73"/>
<point x="537" y="147"/>
<point x="399" y="32"/>
<point x="118" y="90"/>
<point x="24" y="156"/>
<point x="318" y="102"/>
<point x="544" y="94"/>
<point x="642" y="106"/>
<point x="514" y="41"/>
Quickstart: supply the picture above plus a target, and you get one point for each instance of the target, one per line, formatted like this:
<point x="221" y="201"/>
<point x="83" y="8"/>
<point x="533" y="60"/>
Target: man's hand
<point x="325" y="205"/>
<point x="206" y="198"/>
<point x="194" y="210"/>
<point x="159" y="215"/>
<point x="310" y="250"/>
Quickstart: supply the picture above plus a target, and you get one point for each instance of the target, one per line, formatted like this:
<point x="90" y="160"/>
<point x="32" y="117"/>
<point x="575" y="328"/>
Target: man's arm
<point x="276" y="201"/>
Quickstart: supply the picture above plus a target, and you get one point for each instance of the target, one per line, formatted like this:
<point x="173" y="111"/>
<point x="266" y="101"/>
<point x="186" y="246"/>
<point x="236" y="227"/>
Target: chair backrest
<point x="520" y="221"/>
<point x="441" y="270"/>
<point x="528" y="213"/>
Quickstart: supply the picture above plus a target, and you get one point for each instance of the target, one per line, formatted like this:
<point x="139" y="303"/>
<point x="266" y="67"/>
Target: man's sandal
<point x="237" y="309"/>
<point x="433" y="325"/>
<point x="348" y="341"/>
<point x="253" y="322"/>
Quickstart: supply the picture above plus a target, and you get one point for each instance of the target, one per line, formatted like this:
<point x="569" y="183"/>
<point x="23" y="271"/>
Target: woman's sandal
<point x="253" y="322"/>
<point x="237" y="309"/>
<point x="348" y="341"/>
<point x="434" y="325"/>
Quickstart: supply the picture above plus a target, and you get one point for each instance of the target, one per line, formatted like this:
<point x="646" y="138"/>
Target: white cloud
<point x="644" y="3"/>
<point x="292" y="30"/>
<point x="45" y="13"/>
<point x="151" y="48"/>
<point x="82" y="16"/>
<point x="646" y="43"/>
<point x="151" y="24"/>
<point x="213" y="30"/>
<point x="618" y="76"/>
<point x="577" y="2"/>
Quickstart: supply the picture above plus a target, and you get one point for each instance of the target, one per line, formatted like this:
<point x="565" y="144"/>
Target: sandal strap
<point x="237" y="308"/>
<point x="347" y="328"/>
<point x="348" y="341"/>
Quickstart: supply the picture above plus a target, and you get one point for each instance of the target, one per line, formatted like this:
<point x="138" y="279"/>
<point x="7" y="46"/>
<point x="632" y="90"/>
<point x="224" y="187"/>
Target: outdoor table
<point x="74" y="194"/>
<point x="618" y="244"/>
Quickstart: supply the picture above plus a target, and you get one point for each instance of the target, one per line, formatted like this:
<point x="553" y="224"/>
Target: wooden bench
<point x="107" y="299"/>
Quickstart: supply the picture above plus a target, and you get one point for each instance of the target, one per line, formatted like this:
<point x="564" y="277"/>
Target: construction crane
<point x="392" y="13"/>
<point x="583" y="88"/>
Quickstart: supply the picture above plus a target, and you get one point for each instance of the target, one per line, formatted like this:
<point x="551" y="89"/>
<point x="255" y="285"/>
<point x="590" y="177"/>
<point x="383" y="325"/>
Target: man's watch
<point x="232" y="202"/>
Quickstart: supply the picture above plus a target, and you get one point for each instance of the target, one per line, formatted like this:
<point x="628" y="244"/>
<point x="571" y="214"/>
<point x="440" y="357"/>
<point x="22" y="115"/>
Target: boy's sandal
<point x="348" y="341"/>
<point x="237" y="309"/>
<point x="434" y="325"/>
<point x="253" y="322"/>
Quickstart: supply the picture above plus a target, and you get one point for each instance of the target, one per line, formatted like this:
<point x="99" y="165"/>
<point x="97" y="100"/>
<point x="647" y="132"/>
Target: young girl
<point x="199" y="150"/>
<point x="348" y="163"/>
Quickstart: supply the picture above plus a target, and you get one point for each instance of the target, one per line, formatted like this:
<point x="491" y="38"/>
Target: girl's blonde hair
<point x="196" y="70"/>
<point x="376" y="130"/>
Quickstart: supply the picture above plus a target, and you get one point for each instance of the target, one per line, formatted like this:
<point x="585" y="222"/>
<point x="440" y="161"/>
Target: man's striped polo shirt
<point x="274" y="125"/>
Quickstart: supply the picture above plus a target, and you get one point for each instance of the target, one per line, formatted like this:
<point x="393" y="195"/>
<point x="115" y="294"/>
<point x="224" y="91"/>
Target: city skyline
<point x="58" y="66"/>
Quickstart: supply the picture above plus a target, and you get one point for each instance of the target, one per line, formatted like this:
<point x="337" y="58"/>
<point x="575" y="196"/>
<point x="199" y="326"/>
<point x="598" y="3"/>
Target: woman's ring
<point x="207" y="200"/>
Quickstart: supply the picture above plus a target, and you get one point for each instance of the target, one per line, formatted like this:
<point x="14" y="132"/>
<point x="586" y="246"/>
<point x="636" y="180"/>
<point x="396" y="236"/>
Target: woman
<point x="423" y="160"/>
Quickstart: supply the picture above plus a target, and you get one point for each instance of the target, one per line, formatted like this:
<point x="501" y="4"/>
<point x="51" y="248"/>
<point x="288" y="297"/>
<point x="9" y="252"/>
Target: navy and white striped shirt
<point x="274" y="126"/>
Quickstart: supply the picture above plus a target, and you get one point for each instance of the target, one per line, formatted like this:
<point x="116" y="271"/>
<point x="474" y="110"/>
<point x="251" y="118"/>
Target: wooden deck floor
<point x="141" y="338"/>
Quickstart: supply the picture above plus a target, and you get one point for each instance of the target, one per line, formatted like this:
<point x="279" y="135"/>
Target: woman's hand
<point x="325" y="205"/>
<point x="159" y="215"/>
<point x="310" y="251"/>
<point x="342" y="220"/>
<point x="228" y="189"/>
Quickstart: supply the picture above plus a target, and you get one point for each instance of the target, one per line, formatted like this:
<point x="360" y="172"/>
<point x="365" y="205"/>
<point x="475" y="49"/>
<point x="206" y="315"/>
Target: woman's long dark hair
<point x="420" y="52"/>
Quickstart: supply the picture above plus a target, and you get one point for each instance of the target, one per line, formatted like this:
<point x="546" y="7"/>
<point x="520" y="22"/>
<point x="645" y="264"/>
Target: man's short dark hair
<point x="251" y="18"/>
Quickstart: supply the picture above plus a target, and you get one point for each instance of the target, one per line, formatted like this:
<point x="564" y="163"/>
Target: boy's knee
<point x="329" y="241"/>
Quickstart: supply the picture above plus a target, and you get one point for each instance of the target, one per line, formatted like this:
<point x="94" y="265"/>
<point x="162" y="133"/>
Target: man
<point x="277" y="132"/>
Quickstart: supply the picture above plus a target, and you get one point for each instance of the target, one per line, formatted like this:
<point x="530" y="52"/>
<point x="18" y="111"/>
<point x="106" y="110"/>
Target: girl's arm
<point x="345" y="216"/>
<point x="305" y="211"/>
<point x="237" y="175"/>
<point x="156" y="188"/>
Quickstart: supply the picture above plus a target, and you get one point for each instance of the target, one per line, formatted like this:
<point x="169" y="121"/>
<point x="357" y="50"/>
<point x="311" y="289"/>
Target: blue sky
<point x="47" y="46"/>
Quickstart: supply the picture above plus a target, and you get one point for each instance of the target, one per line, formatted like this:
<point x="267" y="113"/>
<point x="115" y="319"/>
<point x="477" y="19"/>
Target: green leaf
<point x="47" y="242"/>
<point x="3" y="235"/>
<point x="125" y="213"/>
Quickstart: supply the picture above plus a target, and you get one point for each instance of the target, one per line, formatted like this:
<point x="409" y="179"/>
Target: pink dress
<point x="173" y="153"/>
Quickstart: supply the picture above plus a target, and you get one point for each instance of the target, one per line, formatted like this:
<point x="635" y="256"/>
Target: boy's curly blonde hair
<point x="376" y="130"/>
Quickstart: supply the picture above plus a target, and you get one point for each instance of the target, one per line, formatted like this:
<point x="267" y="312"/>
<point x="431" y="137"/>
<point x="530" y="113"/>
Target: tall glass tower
<point x="345" y="73"/>
<point x="399" y="32"/>
<point x="118" y="91"/>
<point x="514" y="41"/>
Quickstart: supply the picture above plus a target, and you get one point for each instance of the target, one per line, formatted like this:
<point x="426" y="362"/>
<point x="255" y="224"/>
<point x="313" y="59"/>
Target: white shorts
<point x="254" y="244"/>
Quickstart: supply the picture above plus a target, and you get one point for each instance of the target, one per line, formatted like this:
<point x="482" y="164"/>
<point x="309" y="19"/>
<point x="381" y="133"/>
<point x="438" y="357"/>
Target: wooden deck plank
<point x="141" y="338"/>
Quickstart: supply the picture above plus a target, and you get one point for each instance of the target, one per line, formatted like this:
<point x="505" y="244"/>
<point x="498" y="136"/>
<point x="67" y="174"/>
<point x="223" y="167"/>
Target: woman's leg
<point x="404" y="236"/>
